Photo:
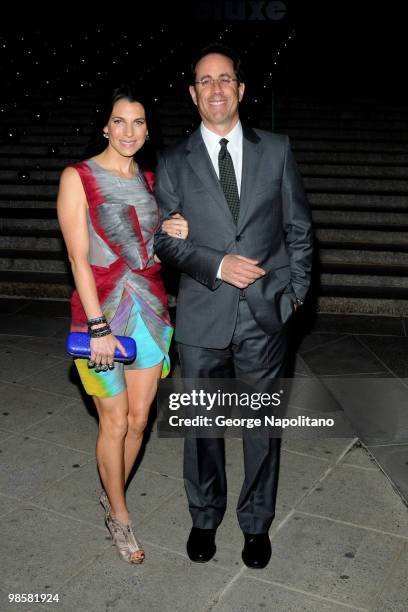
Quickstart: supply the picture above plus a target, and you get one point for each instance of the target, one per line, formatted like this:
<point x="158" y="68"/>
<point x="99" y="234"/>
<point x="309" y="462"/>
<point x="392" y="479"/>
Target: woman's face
<point x="126" y="128"/>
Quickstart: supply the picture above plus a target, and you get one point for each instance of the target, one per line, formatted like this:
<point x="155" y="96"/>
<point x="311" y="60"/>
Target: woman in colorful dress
<point x="108" y="217"/>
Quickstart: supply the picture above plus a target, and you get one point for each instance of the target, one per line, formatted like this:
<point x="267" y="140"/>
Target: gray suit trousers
<point x="251" y="354"/>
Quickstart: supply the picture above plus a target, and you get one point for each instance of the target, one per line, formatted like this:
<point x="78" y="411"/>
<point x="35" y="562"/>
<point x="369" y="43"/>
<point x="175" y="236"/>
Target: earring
<point x="147" y="137"/>
<point x="105" y="135"/>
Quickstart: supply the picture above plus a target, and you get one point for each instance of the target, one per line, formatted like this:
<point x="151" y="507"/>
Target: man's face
<point x="217" y="102"/>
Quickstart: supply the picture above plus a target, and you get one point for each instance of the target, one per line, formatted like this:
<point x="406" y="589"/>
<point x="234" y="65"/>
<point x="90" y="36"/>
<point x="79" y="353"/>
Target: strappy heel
<point x="124" y="539"/>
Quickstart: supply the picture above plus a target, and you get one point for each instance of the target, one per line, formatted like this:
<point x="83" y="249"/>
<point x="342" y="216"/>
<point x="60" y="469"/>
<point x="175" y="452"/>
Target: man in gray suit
<point x="245" y="269"/>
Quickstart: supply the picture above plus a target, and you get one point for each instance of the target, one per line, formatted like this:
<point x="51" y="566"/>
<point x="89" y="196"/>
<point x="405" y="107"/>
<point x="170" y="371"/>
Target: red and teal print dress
<point x="122" y="219"/>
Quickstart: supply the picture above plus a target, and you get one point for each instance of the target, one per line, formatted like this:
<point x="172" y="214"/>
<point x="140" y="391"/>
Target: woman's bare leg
<point x="141" y="391"/>
<point x="110" y="450"/>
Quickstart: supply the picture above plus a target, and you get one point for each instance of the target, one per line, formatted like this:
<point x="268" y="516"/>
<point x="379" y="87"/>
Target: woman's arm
<point x="176" y="226"/>
<point x="71" y="209"/>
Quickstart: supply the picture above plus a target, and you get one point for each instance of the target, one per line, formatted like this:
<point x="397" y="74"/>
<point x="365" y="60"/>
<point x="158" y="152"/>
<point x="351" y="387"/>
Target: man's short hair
<point x="221" y="50"/>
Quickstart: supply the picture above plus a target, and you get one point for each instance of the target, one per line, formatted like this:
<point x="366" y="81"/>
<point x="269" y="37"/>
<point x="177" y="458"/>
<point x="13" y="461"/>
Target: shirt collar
<point x="212" y="140"/>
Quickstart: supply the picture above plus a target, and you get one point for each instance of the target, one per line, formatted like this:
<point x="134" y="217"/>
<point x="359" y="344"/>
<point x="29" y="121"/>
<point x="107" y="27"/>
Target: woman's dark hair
<point x="221" y="50"/>
<point x="146" y="157"/>
<point x="124" y="92"/>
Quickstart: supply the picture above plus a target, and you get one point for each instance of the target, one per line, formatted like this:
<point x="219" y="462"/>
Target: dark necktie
<point x="228" y="180"/>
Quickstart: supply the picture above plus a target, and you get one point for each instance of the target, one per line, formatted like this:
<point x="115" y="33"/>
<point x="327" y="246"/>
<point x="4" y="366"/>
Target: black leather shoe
<point x="257" y="550"/>
<point x="201" y="544"/>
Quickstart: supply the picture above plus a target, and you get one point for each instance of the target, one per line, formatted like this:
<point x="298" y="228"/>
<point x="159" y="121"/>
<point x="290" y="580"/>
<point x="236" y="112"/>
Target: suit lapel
<point x="251" y="153"/>
<point x="201" y="164"/>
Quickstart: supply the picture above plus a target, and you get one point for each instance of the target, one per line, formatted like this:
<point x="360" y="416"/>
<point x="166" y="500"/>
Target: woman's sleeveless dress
<point x="122" y="219"/>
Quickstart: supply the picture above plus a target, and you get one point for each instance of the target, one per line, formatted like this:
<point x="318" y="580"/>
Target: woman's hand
<point x="176" y="227"/>
<point x="103" y="351"/>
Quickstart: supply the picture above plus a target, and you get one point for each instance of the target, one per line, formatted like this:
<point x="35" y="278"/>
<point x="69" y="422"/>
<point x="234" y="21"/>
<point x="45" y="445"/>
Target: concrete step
<point x="363" y="135"/>
<point x="352" y="146"/>
<point x="357" y="112"/>
<point x="391" y="307"/>
<point x="334" y="122"/>
<point x="28" y="191"/>
<point x="36" y="151"/>
<point x="377" y="259"/>
<point x="359" y="285"/>
<point x="356" y="185"/>
<point x="317" y="105"/>
<point x="382" y="117"/>
<point x="362" y="239"/>
<point x="353" y="219"/>
<point x="355" y="171"/>
<point x="29" y="264"/>
<point x="31" y="176"/>
<point x="357" y="201"/>
<point x="35" y="163"/>
<point x="44" y="244"/>
<point x="35" y="285"/>
<point x="59" y="139"/>
<point x="67" y="120"/>
<point x="63" y="131"/>
<point x="35" y="226"/>
<point x="374" y="261"/>
<point x="26" y="207"/>
<point x="389" y="159"/>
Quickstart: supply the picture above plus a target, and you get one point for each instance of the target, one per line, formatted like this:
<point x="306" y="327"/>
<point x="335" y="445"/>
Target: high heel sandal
<point x="124" y="540"/>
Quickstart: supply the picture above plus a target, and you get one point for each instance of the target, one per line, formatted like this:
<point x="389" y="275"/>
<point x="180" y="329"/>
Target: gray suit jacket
<point x="274" y="227"/>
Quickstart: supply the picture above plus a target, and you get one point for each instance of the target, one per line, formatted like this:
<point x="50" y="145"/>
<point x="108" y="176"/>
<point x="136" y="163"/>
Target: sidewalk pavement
<point x="339" y="539"/>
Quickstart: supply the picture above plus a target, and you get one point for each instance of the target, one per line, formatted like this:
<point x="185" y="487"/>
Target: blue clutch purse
<point x="78" y="344"/>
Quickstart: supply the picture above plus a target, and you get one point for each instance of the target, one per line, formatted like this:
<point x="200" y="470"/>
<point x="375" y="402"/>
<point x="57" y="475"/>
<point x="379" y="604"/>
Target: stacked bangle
<point x="97" y="321"/>
<point x="99" y="332"/>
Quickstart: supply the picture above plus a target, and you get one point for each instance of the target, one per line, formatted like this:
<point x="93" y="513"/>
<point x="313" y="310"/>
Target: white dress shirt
<point x="234" y="146"/>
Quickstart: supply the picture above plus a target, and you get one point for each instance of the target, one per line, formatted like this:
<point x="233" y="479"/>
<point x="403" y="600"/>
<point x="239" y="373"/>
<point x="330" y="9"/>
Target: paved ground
<point x="340" y="537"/>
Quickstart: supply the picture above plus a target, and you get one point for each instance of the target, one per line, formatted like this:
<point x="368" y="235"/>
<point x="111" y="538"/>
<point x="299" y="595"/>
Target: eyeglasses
<point x="223" y="81"/>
